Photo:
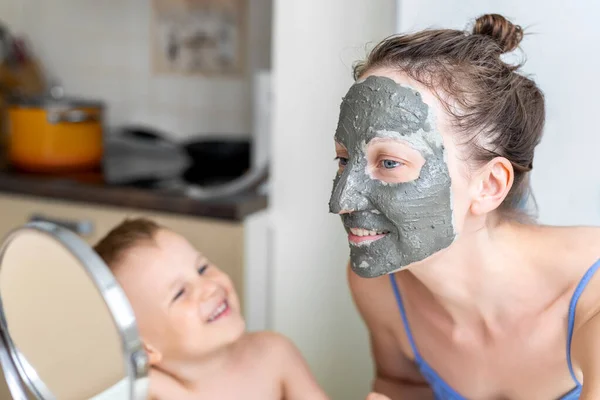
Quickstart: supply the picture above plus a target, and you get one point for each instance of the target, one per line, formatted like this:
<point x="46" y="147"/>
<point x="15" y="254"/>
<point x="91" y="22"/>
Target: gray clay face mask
<point x="415" y="217"/>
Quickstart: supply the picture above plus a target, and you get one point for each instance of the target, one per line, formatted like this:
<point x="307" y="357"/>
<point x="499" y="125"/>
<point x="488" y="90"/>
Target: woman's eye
<point x="202" y="269"/>
<point x="179" y="294"/>
<point x="390" y="164"/>
<point x="342" y="161"/>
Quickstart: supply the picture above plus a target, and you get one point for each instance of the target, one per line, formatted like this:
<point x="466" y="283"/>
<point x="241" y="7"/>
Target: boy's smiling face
<point x="185" y="307"/>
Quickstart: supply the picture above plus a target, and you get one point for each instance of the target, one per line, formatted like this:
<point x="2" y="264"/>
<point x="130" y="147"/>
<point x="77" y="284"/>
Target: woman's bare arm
<point x="396" y="376"/>
<point x="586" y="354"/>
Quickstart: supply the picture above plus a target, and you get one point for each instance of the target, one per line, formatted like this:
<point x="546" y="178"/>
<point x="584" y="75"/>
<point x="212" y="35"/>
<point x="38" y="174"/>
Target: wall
<point x="315" y="44"/>
<point x="102" y="49"/>
<point x="560" y="54"/>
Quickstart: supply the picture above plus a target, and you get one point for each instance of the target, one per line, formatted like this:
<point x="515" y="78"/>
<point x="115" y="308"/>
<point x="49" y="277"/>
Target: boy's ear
<point x="154" y="355"/>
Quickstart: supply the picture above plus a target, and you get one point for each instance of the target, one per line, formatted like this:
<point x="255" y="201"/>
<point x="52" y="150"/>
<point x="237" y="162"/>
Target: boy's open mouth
<point x="221" y="310"/>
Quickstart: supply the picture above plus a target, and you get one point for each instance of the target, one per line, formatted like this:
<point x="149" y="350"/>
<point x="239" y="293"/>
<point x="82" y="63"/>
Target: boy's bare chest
<point x="254" y="385"/>
<point x="254" y="382"/>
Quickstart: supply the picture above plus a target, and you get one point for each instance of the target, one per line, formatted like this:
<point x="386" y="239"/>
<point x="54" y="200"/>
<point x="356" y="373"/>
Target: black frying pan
<point x="216" y="160"/>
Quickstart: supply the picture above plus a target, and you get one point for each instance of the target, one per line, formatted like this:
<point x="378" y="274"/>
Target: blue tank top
<point x="443" y="391"/>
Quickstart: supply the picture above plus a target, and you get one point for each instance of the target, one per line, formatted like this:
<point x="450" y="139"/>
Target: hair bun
<point x="505" y="33"/>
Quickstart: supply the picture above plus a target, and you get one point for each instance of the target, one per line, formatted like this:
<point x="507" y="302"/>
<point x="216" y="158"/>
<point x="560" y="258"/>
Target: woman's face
<point x="399" y="180"/>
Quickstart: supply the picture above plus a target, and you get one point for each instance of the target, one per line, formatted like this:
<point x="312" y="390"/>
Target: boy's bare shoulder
<point x="269" y="340"/>
<point x="268" y="345"/>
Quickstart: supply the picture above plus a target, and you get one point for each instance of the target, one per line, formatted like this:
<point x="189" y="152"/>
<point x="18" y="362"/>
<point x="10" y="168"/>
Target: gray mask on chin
<point x="416" y="216"/>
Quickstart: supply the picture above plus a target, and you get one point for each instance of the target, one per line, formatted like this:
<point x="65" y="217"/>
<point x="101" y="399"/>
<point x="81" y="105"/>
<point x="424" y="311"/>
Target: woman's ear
<point x="154" y="355"/>
<point x="492" y="184"/>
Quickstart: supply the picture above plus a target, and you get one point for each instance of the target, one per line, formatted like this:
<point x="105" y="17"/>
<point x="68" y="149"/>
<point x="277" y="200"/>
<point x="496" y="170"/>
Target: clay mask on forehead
<point x="407" y="221"/>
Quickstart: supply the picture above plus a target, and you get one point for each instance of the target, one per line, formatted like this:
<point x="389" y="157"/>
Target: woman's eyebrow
<point x="339" y="145"/>
<point x="394" y="141"/>
<point x="389" y="136"/>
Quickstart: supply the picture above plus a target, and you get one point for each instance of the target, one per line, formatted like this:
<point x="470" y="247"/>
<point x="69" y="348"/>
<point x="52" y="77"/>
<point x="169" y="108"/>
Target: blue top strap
<point x="444" y="391"/>
<point x="572" y="307"/>
<point x="404" y="319"/>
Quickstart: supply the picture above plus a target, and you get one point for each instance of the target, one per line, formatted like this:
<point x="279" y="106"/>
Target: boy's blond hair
<point x="125" y="236"/>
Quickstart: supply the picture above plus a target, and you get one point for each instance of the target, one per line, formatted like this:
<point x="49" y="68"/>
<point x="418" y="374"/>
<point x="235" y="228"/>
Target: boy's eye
<point x="202" y="269"/>
<point x="179" y="294"/>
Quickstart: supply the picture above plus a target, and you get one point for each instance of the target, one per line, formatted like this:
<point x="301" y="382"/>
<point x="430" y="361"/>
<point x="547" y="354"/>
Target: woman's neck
<point x="486" y="278"/>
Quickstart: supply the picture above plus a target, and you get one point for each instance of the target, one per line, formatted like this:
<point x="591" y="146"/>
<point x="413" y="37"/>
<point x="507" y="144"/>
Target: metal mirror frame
<point x="16" y="368"/>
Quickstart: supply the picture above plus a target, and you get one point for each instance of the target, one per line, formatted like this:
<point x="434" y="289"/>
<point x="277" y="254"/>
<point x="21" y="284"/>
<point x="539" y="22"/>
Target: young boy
<point x="189" y="319"/>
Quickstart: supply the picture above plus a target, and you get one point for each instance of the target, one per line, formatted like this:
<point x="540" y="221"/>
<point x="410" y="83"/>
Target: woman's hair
<point x="498" y="111"/>
<point x="128" y="234"/>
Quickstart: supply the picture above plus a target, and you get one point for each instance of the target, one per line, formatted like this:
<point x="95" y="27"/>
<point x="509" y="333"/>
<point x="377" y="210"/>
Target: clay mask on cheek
<point x="400" y="223"/>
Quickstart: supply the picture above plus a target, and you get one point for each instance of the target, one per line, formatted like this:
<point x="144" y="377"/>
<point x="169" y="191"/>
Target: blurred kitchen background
<point x="217" y="118"/>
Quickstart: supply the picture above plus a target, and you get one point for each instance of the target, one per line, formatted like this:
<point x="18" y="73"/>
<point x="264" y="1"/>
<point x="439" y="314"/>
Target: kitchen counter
<point x="90" y="188"/>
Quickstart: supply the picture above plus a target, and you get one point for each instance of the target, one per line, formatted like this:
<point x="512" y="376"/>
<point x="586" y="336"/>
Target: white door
<point x="561" y="56"/>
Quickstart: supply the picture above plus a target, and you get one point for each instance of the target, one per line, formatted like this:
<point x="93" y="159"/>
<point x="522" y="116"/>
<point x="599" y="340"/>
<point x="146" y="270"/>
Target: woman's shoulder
<point x="589" y="240"/>
<point x="575" y="247"/>
<point x="578" y="254"/>
<point x="584" y="235"/>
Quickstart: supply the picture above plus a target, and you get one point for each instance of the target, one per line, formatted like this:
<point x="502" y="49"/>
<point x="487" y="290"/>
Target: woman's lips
<point x="364" y="236"/>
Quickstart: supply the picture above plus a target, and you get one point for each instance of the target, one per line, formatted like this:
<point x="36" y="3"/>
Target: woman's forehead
<point x="429" y="97"/>
<point x="379" y="107"/>
<point x="367" y="110"/>
<point x="400" y="78"/>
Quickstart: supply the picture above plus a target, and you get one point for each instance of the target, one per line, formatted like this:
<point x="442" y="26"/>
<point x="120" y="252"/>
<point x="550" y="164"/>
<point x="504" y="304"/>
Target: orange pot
<point x="49" y="134"/>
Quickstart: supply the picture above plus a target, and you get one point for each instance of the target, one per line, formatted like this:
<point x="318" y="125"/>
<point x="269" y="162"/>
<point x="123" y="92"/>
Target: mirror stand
<point x="65" y="323"/>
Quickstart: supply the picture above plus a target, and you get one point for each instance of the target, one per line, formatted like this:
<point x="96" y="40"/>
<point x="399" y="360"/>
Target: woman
<point x="464" y="296"/>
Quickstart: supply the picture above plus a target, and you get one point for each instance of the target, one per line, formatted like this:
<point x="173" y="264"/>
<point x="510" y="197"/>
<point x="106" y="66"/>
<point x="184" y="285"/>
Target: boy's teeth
<point x="365" y="232"/>
<point x="218" y="311"/>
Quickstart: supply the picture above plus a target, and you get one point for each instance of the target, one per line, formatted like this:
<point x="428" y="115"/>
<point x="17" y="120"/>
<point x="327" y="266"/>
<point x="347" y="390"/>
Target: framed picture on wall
<point x="198" y="37"/>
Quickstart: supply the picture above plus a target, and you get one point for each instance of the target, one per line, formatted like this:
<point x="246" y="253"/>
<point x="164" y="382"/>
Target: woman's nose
<point x="348" y="194"/>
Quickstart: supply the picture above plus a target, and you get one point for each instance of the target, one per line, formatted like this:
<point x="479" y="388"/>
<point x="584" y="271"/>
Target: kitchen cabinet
<point x="221" y="241"/>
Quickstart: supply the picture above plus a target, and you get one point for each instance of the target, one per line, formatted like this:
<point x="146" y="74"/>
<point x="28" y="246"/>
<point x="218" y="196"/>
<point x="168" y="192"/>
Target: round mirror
<point x="67" y="329"/>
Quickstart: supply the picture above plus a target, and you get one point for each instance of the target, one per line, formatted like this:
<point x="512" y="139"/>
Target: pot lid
<point x="55" y="98"/>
